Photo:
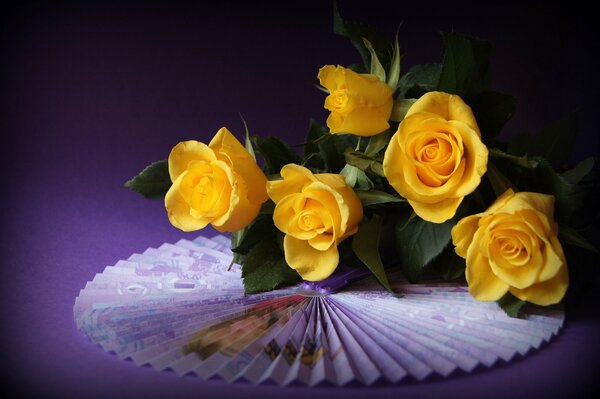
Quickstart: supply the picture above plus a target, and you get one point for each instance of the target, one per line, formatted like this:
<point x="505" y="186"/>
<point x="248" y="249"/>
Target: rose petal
<point x="462" y="234"/>
<point x="548" y="292"/>
<point x="365" y="121"/>
<point x="484" y="285"/>
<point x="438" y="212"/>
<point x="327" y="77"/>
<point x="310" y="263"/>
<point x="322" y="241"/>
<point x="227" y="148"/>
<point x="525" y="200"/>
<point x="185" y="152"/>
<point x="294" y="178"/>
<point x="178" y="210"/>
<point x="448" y="106"/>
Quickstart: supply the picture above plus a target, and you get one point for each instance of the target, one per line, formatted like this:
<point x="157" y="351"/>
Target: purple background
<point x="91" y="94"/>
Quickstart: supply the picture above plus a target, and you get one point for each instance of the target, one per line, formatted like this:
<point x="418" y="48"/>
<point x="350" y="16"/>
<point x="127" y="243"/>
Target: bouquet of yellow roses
<point x="408" y="173"/>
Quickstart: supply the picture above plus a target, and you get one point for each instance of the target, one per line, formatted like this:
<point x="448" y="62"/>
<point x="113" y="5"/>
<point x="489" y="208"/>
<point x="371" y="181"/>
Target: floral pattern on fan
<point x="182" y="307"/>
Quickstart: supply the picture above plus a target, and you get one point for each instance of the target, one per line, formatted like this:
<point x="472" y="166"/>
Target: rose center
<point x="309" y="221"/>
<point x="203" y="194"/>
<point x="511" y="248"/>
<point x="340" y="99"/>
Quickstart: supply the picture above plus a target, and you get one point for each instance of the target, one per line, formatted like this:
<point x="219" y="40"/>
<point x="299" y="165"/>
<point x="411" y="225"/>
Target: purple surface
<point x="93" y="94"/>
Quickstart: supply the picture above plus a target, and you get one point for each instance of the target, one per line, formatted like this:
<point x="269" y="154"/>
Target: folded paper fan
<point x="182" y="307"/>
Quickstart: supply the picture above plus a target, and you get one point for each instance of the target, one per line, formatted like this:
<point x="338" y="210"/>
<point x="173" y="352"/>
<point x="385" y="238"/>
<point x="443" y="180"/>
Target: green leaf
<point x="262" y="228"/>
<point x="400" y="108"/>
<point x="264" y="268"/>
<point x="419" y="80"/>
<point x="236" y="238"/>
<point x="376" y="67"/>
<point x="365" y="245"/>
<point x="276" y="154"/>
<point x="267" y="208"/>
<point x="312" y="152"/>
<point x="500" y="183"/>
<point x="394" y="72"/>
<point x="374" y="197"/>
<point x="315" y="133"/>
<point x="333" y="148"/>
<point x="542" y="178"/>
<point x="523" y="161"/>
<point x="555" y="143"/>
<point x="510" y="304"/>
<point x="465" y="69"/>
<point x="418" y="242"/>
<point x="449" y="265"/>
<point x="583" y="168"/>
<point x="152" y="182"/>
<point x="356" y="32"/>
<point x="568" y="197"/>
<point x="568" y="235"/>
<point x="492" y="110"/>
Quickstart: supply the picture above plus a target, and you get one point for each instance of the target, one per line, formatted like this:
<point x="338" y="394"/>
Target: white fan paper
<point x="181" y="307"/>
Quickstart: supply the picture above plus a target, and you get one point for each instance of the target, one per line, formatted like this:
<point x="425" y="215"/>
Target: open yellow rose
<point x="316" y="212"/>
<point x="218" y="183"/>
<point x="360" y="104"/>
<point x="436" y="157"/>
<point x="512" y="247"/>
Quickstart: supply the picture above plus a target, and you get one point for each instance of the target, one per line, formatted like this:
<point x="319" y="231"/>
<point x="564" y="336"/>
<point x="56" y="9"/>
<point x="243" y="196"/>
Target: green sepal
<point x="356" y="178"/>
<point x="400" y="108"/>
<point x="376" y="197"/>
<point x="377" y="143"/>
<point x="152" y="182"/>
<point x="247" y="140"/>
<point x="393" y="76"/>
<point x="376" y="67"/>
<point x="356" y="32"/>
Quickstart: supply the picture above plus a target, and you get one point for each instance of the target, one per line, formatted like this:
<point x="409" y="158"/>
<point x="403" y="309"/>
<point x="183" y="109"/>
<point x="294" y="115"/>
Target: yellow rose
<point x="218" y="183"/>
<point x="513" y="247"/>
<point x="436" y="157"/>
<point x="360" y="104"/>
<point x="316" y="212"/>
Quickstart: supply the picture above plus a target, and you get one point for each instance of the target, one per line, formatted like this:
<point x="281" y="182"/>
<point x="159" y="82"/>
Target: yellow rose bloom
<point x="512" y="247"/>
<point x="316" y="212"/>
<point x="360" y="104"/>
<point x="436" y="157"/>
<point x="219" y="183"/>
